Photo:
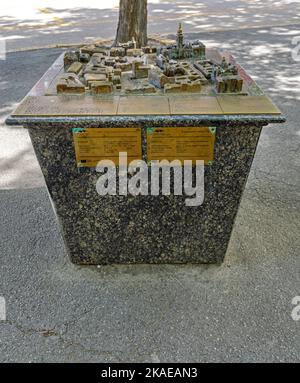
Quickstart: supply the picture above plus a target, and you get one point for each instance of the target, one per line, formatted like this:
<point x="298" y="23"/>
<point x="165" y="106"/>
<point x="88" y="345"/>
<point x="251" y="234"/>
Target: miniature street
<point x="237" y="312"/>
<point x="183" y="67"/>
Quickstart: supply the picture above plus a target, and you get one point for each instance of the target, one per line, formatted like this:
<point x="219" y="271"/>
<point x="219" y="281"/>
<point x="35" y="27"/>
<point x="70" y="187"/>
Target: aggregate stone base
<point x="144" y="229"/>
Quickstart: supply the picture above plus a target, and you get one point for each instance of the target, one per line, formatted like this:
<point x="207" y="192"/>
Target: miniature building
<point x="70" y="84"/>
<point x="158" y="79"/>
<point x="181" y="67"/>
<point x="134" y="52"/>
<point x="117" y="52"/>
<point x="229" y="84"/>
<point x="101" y="87"/>
<point x="141" y="89"/>
<point x="69" y="58"/>
<point x="184" y="50"/>
<point x="183" y="86"/>
<point x="139" y="70"/>
<point x="76" y="68"/>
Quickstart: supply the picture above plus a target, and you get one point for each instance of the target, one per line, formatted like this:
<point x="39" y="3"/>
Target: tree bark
<point x="132" y="22"/>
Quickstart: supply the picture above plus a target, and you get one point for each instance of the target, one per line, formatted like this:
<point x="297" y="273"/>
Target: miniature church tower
<point x="180" y="37"/>
<point x="180" y="41"/>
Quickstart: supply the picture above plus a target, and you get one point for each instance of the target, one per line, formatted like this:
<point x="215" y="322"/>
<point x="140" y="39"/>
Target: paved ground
<point x="240" y="311"/>
<point x="39" y="24"/>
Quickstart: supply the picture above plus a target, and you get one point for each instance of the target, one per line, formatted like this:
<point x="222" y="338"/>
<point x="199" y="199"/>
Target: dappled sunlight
<point x="3" y="84"/>
<point x="19" y="168"/>
<point x="99" y="18"/>
<point x="287" y="84"/>
<point x="13" y="37"/>
<point x="267" y="49"/>
<point x="18" y="164"/>
<point x="285" y="32"/>
<point x="6" y="110"/>
<point x="50" y="32"/>
<point x="222" y="15"/>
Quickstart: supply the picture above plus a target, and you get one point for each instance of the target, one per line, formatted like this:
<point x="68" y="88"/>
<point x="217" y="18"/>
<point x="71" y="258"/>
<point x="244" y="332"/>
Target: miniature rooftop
<point x="185" y="78"/>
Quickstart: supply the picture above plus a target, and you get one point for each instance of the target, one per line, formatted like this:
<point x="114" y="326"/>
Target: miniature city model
<point x="125" y="69"/>
<point x="183" y="102"/>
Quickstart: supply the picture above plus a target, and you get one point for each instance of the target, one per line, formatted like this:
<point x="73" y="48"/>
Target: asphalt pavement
<point x="237" y="312"/>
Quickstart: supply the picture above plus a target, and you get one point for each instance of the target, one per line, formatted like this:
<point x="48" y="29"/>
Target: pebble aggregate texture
<point x="142" y="229"/>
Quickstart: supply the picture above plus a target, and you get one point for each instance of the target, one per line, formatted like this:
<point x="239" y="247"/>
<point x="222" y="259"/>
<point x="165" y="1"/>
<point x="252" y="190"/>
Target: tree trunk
<point x="132" y="22"/>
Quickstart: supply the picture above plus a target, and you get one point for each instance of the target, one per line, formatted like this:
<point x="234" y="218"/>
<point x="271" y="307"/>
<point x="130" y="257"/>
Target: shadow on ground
<point x="238" y="312"/>
<point x="83" y="24"/>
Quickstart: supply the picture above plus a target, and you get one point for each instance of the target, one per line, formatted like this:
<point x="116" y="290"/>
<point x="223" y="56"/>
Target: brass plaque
<point x="194" y="105"/>
<point x="143" y="105"/>
<point x="181" y="144"/>
<point x="95" y="144"/>
<point x="247" y="105"/>
<point x="67" y="105"/>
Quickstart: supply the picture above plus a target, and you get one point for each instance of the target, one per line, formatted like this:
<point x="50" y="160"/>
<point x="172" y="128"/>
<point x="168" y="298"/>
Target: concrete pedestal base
<point x="144" y="229"/>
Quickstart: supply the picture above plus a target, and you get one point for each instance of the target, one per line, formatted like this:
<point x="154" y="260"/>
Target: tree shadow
<point x="65" y="26"/>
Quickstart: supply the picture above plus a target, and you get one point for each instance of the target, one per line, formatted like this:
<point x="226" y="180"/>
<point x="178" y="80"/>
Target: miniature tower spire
<point x="180" y="42"/>
<point x="180" y="37"/>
